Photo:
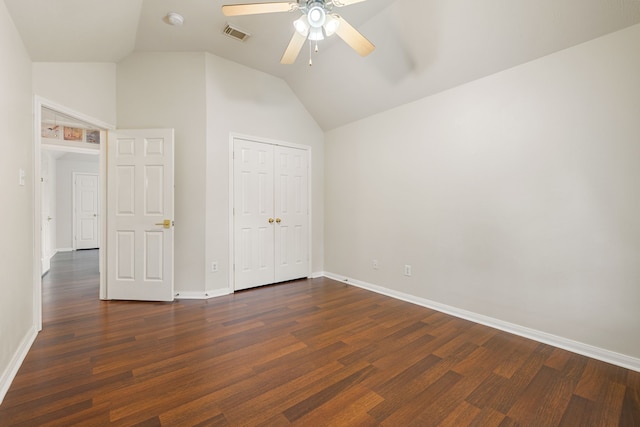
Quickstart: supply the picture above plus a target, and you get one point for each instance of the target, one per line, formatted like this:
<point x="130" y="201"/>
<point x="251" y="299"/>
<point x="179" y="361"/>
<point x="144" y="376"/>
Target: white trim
<point x="51" y="105"/>
<point x="39" y="103"/>
<point x="231" y="268"/>
<point x="204" y="295"/>
<point x="70" y="149"/>
<point x="64" y="250"/>
<point x="16" y="361"/>
<point x="102" y="232"/>
<point x="37" y="215"/>
<point x="232" y="137"/>
<point x="598" y="353"/>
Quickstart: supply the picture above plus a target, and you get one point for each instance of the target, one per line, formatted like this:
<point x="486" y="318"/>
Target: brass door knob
<point x="270" y="220"/>
<point x="278" y="220"/>
<point x="165" y="224"/>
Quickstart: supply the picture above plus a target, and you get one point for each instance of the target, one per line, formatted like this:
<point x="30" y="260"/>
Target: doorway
<point x="65" y="142"/>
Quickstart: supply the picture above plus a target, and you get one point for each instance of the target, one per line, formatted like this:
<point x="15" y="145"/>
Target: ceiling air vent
<point x="235" y="33"/>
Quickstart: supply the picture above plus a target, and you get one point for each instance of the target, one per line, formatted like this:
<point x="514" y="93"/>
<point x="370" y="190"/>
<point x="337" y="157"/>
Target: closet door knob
<point x="270" y="220"/>
<point x="278" y="220"/>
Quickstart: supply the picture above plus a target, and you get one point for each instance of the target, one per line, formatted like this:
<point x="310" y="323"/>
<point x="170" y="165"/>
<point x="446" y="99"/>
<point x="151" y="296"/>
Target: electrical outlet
<point x="375" y="264"/>
<point x="214" y="267"/>
<point x="407" y="270"/>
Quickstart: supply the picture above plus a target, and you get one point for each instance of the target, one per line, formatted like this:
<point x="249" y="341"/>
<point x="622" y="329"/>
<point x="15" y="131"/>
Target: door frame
<point x="45" y="236"/>
<point x="38" y="104"/>
<point x="74" y="208"/>
<point x="232" y="238"/>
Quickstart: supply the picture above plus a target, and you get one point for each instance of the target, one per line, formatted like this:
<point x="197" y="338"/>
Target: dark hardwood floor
<point x="309" y="353"/>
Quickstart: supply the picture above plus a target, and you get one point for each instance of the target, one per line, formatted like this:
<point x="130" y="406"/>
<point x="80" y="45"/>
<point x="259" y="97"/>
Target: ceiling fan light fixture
<point x="316" y="16"/>
<point x="331" y="25"/>
<point x="315" y="34"/>
<point x="301" y="25"/>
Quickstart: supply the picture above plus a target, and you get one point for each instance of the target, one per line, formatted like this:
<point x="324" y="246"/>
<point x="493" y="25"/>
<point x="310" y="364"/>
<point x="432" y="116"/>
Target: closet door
<point x="253" y="214"/>
<point x="292" y="214"/>
<point x="271" y="213"/>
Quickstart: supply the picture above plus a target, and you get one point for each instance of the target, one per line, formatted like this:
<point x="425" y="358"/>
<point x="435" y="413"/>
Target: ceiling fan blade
<point x="257" y="8"/>
<point x="341" y="3"/>
<point x="353" y="38"/>
<point x="294" y="48"/>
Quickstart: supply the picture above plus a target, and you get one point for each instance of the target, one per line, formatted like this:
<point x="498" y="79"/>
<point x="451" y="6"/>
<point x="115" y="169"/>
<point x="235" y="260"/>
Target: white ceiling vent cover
<point x="235" y="32"/>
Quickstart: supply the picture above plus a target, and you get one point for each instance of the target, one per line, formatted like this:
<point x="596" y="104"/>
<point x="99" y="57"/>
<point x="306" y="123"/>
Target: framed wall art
<point x="73" y="134"/>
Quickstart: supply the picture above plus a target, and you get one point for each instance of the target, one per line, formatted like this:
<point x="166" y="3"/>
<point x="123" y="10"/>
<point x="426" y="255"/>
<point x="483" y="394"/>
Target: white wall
<point x="167" y="90"/>
<point x="16" y="246"/>
<point x="245" y="101"/>
<point x="64" y="194"/>
<point x="88" y="88"/>
<point x="204" y="98"/>
<point x="515" y="196"/>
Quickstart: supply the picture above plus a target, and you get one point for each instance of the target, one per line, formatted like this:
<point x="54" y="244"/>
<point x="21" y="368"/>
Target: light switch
<point x="21" y="177"/>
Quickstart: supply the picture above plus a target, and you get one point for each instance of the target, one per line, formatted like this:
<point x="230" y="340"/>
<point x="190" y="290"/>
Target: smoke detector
<point x="175" y="19"/>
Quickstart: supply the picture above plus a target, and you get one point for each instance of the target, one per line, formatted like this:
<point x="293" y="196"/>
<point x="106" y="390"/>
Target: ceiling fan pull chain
<point x="310" y="60"/>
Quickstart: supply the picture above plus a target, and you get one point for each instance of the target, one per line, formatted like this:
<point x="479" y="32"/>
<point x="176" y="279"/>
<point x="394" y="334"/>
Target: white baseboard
<point x="204" y="295"/>
<point x="16" y="361"/>
<point x="598" y="353"/>
<point x="317" y="274"/>
<point x="64" y="250"/>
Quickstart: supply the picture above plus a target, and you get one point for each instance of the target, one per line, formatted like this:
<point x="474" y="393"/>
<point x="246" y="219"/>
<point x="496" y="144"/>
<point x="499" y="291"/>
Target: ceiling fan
<point x="317" y="21"/>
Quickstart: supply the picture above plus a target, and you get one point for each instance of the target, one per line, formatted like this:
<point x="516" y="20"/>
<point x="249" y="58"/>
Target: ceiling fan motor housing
<point x="317" y="14"/>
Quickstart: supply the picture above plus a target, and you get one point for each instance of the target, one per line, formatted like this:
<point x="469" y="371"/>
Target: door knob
<point x="278" y="220"/>
<point x="165" y="224"/>
<point x="270" y="220"/>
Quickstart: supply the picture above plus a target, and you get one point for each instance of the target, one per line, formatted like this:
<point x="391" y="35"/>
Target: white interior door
<point x="140" y="235"/>
<point x="85" y="210"/>
<point x="271" y="213"/>
<point x="292" y="213"/>
<point x="253" y="214"/>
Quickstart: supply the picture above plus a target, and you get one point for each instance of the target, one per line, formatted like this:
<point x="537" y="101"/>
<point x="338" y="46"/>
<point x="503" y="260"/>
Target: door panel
<point x="140" y="201"/>
<point x="253" y="175"/>
<point x="86" y="210"/>
<point x="291" y="201"/>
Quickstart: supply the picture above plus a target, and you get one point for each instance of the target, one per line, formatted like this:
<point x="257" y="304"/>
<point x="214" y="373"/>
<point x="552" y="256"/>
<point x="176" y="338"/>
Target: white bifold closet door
<point x="271" y="213"/>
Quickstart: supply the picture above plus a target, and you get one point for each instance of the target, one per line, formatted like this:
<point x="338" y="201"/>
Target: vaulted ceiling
<point x="423" y="46"/>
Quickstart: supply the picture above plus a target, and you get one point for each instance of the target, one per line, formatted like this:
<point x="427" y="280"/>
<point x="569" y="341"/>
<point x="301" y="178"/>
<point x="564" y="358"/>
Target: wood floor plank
<point x="630" y="415"/>
<point x="462" y="415"/>
<point x="261" y="408"/>
<point x="344" y="409"/>
<point x="304" y="353"/>
<point x="545" y="398"/>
